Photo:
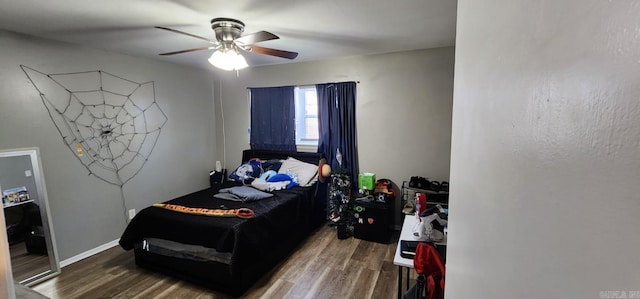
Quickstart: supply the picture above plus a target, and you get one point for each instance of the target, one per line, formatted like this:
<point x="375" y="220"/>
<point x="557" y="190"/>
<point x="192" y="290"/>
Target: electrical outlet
<point x="132" y="213"/>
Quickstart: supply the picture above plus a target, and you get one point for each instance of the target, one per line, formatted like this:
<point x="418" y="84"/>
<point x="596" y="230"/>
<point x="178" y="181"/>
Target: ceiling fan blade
<point x="270" y="51"/>
<point x="256" y="37"/>
<point x="185" y="51"/>
<point x="189" y="34"/>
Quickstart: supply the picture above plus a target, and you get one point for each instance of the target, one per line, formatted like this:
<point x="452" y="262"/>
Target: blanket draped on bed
<point x="242" y="193"/>
<point x="243" y="237"/>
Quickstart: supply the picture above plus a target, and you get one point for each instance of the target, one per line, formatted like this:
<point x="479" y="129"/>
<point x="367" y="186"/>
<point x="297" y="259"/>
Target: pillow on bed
<point x="306" y="172"/>
<point x="284" y="177"/>
<point x="263" y="185"/>
<point x="247" y="171"/>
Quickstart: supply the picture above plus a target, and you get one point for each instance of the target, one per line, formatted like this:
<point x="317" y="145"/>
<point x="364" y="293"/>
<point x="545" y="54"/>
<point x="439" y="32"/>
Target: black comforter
<point x="287" y="212"/>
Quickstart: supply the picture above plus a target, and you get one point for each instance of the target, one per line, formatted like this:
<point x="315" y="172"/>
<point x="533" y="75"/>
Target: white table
<point x="407" y="234"/>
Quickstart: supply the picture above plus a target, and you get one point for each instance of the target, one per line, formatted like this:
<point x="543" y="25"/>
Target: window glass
<point x="306" y="116"/>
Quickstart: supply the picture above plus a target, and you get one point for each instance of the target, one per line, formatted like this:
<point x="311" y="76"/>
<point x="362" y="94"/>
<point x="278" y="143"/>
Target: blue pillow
<point x="280" y="177"/>
<point x="267" y="174"/>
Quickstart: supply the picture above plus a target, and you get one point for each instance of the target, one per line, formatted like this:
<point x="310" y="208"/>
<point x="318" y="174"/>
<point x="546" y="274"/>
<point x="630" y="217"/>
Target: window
<point x="306" y="102"/>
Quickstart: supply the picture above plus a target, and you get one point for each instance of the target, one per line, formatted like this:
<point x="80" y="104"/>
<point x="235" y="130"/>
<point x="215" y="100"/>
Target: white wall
<point x="6" y="275"/>
<point x="86" y="211"/>
<point x="403" y="108"/>
<point x="545" y="158"/>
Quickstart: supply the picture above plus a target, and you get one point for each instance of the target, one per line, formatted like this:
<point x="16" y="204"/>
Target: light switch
<point x="27" y="173"/>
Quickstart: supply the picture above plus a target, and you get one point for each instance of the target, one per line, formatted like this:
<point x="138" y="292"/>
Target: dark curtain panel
<point x="337" y="126"/>
<point x="273" y="119"/>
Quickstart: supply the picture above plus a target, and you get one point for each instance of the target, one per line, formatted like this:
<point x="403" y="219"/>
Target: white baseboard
<point x="89" y="253"/>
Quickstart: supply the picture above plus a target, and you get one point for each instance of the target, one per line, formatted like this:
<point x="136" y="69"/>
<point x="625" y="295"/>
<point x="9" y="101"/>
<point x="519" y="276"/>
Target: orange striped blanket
<point x="240" y="213"/>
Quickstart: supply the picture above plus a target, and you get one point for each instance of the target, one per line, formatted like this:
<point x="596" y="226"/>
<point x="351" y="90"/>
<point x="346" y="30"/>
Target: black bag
<point x="408" y="249"/>
<point x="217" y="177"/>
<point x="342" y="231"/>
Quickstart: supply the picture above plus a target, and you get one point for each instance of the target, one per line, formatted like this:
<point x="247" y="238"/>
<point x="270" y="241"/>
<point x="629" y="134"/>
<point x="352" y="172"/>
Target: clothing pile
<point x="432" y="224"/>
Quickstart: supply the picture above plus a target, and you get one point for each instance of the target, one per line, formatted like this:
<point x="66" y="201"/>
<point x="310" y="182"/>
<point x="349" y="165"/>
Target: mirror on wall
<point x="26" y="211"/>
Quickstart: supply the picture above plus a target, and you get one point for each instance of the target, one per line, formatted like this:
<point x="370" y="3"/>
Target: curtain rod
<point x="313" y="84"/>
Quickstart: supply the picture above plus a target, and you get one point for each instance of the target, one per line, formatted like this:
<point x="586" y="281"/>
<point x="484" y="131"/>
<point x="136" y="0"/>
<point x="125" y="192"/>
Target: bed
<point x="227" y="254"/>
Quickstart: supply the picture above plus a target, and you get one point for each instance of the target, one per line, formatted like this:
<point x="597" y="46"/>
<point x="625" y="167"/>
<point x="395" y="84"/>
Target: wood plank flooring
<point x="24" y="264"/>
<point x="321" y="267"/>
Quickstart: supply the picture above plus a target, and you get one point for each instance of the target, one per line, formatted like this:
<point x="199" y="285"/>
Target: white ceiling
<point x="320" y="29"/>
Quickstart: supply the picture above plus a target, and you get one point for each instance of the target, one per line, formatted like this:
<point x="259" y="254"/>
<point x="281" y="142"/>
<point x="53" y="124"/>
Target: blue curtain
<point x="273" y="119"/>
<point x="337" y="126"/>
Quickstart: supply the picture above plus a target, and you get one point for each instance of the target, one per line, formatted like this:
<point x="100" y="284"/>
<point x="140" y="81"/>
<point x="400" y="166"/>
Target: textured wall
<point x="6" y="277"/>
<point x="403" y="108"/>
<point x="87" y="212"/>
<point x="545" y="150"/>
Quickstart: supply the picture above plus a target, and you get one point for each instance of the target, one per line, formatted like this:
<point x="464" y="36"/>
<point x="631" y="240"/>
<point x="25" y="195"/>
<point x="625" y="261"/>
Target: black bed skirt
<point x="209" y="274"/>
<point x="219" y="276"/>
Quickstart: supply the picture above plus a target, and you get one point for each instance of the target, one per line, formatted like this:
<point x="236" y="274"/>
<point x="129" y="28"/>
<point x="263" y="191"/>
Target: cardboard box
<point x="367" y="180"/>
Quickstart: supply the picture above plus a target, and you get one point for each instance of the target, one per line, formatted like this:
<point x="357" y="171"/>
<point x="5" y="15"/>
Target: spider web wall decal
<point x="111" y="124"/>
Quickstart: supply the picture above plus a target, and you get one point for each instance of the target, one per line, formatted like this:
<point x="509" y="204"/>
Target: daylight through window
<point x="306" y="116"/>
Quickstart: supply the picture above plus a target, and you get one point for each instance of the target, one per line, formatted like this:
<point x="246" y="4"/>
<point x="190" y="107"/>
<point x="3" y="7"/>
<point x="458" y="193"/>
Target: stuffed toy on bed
<point x="246" y="172"/>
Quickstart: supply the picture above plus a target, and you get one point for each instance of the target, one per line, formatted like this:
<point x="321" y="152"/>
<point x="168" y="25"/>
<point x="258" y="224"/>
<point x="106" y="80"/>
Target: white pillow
<point x="307" y="172"/>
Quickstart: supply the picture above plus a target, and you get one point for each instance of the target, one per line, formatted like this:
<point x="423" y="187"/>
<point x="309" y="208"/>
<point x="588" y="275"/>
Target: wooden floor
<point x="24" y="264"/>
<point x="322" y="267"/>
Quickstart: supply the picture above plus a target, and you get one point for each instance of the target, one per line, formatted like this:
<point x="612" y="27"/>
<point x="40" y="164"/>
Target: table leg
<point x="408" y="275"/>
<point x="399" y="282"/>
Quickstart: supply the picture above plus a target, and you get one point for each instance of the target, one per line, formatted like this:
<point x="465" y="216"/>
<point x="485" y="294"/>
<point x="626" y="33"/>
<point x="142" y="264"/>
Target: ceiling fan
<point x="228" y="40"/>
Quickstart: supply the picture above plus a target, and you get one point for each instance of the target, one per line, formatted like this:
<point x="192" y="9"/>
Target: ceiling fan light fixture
<point x="228" y="59"/>
<point x="229" y="40"/>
